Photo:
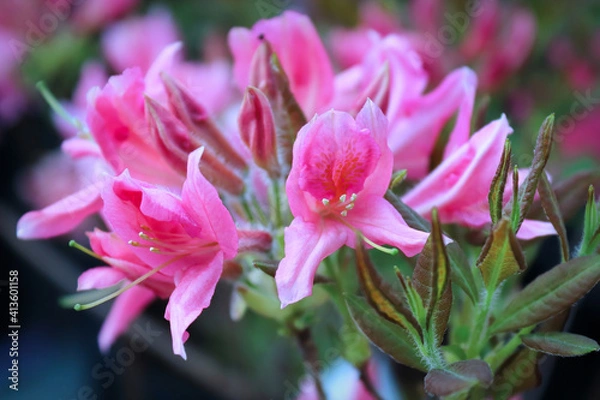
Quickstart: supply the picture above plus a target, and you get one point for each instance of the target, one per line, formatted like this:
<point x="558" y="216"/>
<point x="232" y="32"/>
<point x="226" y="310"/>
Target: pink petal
<point x="380" y="222"/>
<point x="469" y="169"/>
<point x="77" y="147"/>
<point x="125" y="309"/>
<point x="413" y="135"/>
<point x="371" y="117"/>
<point x="202" y="200"/>
<point x="306" y="245"/>
<point x="99" y="278"/>
<point x="531" y="229"/>
<point x="193" y="292"/>
<point x="62" y="216"/>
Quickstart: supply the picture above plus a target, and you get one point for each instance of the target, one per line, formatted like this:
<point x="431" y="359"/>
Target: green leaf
<point x="518" y="374"/>
<point x="390" y="338"/>
<point x="410" y="216"/>
<point x="561" y="344"/>
<point x="458" y="377"/>
<point x="541" y="153"/>
<point x="552" y="210"/>
<point x="89" y="296"/>
<point x="496" y="195"/>
<point x="379" y="293"/>
<point x="550" y="293"/>
<point x="591" y="226"/>
<point x="521" y="371"/>
<point x="398" y="178"/>
<point x="431" y="279"/>
<point x="501" y="255"/>
<point x="461" y="272"/>
<point x="570" y="193"/>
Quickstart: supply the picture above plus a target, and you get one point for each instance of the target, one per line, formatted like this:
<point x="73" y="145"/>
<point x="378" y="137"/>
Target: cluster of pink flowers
<point x="188" y="172"/>
<point x="26" y="26"/>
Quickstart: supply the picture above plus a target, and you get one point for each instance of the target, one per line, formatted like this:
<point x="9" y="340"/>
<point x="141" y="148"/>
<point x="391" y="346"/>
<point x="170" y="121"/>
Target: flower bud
<point x="195" y="117"/>
<point x="257" y="129"/>
<point x="175" y="143"/>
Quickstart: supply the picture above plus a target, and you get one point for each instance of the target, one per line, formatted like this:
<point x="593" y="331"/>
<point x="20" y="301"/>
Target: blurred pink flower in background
<point x="90" y="15"/>
<point x="137" y="41"/>
<point x="341" y="381"/>
<point x="493" y="39"/>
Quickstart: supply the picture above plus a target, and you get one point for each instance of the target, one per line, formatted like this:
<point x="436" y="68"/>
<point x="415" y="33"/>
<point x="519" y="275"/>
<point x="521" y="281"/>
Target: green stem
<point x="496" y="359"/>
<point x="277" y="214"/>
<point x="479" y="333"/>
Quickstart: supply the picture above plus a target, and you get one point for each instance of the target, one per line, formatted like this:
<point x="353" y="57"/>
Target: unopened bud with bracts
<point x="257" y="129"/>
<point x="262" y="75"/>
<point x="201" y="126"/>
<point x="175" y="142"/>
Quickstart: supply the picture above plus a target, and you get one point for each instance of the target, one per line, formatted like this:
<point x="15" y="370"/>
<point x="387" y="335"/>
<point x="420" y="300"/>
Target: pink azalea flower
<point x="117" y="121"/>
<point x="137" y="41"/>
<point x="341" y="169"/>
<point x="297" y="44"/>
<point x="93" y="14"/>
<point x="184" y="238"/>
<point x="459" y="186"/>
<point x="416" y="118"/>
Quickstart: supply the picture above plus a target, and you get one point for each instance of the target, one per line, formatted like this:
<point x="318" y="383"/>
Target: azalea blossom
<point x="181" y="242"/>
<point x="340" y="172"/>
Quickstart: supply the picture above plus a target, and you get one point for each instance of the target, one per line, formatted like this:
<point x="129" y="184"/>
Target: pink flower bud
<point x="195" y="117"/>
<point x="257" y="129"/>
<point x="176" y="143"/>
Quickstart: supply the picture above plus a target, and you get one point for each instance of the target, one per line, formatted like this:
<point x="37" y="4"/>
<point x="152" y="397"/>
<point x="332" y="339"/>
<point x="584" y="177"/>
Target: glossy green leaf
<point x="561" y="344"/>
<point x="501" y="255"/>
<point x="458" y="377"/>
<point x="550" y="293"/>
<point x="390" y="338"/>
